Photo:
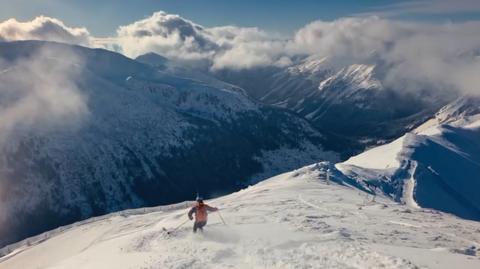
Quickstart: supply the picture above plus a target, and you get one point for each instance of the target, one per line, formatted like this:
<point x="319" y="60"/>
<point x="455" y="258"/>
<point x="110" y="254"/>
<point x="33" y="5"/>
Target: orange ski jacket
<point x="201" y="212"/>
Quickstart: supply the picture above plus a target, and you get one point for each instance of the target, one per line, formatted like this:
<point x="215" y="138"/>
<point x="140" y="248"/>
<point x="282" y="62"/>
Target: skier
<point x="201" y="212"/>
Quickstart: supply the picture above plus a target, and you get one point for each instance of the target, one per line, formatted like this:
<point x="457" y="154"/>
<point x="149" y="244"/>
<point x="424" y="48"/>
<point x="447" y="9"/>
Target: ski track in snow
<point x="293" y="220"/>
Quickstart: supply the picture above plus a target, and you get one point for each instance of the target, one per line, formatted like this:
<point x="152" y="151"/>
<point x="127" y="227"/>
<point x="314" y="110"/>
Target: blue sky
<point x="102" y="17"/>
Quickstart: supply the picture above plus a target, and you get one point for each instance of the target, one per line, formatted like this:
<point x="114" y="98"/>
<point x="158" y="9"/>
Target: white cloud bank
<point x="411" y="54"/>
<point x="178" y="38"/>
<point x="43" y="28"/>
<point x="243" y="48"/>
<point x="167" y="34"/>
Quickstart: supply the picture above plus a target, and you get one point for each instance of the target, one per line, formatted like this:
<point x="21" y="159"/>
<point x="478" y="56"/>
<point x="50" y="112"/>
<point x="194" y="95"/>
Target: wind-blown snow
<point x="295" y="220"/>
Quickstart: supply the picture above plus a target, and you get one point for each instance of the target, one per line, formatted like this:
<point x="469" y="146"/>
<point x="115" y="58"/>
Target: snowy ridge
<point x="459" y="112"/>
<point x="435" y="166"/>
<point x="357" y="76"/>
<point x="325" y="76"/>
<point x="312" y="66"/>
<point x="295" y="220"/>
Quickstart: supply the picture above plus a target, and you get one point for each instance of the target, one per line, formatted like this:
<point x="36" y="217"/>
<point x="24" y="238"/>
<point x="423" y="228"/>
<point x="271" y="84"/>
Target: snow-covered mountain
<point x="346" y="101"/>
<point x="192" y="71"/>
<point x="146" y="137"/>
<point x="435" y="166"/>
<point x="154" y="60"/>
<point x="300" y="219"/>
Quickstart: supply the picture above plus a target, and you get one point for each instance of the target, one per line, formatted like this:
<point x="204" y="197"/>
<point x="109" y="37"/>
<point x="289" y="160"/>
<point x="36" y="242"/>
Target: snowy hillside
<point x="295" y="220"/>
<point x="435" y="166"/>
<point x="131" y="136"/>
<point x="185" y="70"/>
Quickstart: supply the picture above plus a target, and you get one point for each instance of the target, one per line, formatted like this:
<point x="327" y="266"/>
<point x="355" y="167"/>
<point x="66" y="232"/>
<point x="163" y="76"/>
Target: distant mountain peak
<point x="153" y="59"/>
<point x="310" y="65"/>
<point x="355" y="77"/>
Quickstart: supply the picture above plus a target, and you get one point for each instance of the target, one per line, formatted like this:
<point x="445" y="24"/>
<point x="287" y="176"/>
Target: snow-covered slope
<point x="295" y="220"/>
<point x="145" y="137"/>
<point x="435" y="166"/>
<point x="185" y="70"/>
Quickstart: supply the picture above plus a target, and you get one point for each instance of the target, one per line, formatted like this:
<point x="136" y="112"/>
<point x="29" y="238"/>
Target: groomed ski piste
<point x="294" y="220"/>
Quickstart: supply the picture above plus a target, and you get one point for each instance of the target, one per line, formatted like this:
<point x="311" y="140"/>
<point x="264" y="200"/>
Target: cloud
<point x="181" y="39"/>
<point x="40" y="92"/>
<point x="412" y="55"/>
<point x="167" y="34"/>
<point x="352" y="39"/>
<point x="243" y="48"/>
<point x="43" y="28"/>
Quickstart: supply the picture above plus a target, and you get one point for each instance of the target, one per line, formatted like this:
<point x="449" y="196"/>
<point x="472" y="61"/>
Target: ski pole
<point x="183" y="223"/>
<point x="220" y="215"/>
